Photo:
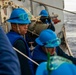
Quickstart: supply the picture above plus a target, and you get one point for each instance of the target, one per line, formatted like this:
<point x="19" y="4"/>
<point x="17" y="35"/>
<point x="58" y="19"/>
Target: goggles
<point x="52" y="43"/>
<point x="55" y="61"/>
<point x="21" y="17"/>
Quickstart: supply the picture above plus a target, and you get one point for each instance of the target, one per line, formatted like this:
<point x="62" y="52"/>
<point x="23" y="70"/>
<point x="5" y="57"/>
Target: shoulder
<point x="19" y="42"/>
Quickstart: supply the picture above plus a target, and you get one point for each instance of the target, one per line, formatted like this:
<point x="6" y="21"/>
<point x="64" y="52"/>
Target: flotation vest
<point x="15" y="36"/>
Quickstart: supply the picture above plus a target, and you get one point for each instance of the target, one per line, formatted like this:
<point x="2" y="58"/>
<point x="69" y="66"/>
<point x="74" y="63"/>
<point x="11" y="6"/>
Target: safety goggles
<point x="21" y="17"/>
<point x="52" y="43"/>
<point x="55" y="61"/>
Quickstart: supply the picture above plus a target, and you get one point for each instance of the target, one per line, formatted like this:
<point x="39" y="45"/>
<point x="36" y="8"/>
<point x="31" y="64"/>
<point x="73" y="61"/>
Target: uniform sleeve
<point x="25" y="69"/>
<point x="9" y="64"/>
<point x="63" y="54"/>
<point x="51" y="26"/>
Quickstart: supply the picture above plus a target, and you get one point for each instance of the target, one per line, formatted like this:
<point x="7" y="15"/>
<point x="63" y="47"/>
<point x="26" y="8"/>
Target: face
<point x="50" y="50"/>
<point x="23" y="29"/>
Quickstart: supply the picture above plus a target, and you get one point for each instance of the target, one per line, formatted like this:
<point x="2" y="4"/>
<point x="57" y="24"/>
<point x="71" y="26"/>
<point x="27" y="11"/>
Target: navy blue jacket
<point x="9" y="64"/>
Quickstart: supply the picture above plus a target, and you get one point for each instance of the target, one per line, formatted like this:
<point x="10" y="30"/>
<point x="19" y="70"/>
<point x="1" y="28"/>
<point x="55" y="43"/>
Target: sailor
<point x="9" y="63"/>
<point x="48" y="42"/>
<point x="45" y="18"/>
<point x="43" y="22"/>
<point x="19" y="25"/>
<point x="56" y="66"/>
<point x="30" y="37"/>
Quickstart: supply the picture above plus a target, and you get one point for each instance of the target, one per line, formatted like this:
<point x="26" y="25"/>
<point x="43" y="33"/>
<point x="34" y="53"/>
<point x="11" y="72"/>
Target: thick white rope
<point x="25" y="56"/>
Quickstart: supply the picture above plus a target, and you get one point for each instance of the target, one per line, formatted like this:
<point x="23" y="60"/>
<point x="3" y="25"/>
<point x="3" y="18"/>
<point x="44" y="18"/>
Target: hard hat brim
<point x="19" y="21"/>
<point x="39" y="42"/>
<point x="57" y="43"/>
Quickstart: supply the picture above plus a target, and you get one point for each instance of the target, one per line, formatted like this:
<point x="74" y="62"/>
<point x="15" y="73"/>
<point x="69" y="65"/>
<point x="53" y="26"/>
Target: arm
<point x="61" y="53"/>
<point x="25" y="69"/>
<point x="51" y="25"/>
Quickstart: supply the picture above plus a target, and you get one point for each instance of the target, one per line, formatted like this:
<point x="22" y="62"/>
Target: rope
<point x="25" y="56"/>
<point x="52" y="6"/>
<point x="32" y="32"/>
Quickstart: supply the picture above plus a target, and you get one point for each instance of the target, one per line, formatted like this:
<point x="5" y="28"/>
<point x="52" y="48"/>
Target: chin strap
<point x="18" y="29"/>
<point x="48" y="63"/>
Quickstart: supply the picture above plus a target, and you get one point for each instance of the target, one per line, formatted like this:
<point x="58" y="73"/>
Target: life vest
<point x="13" y="37"/>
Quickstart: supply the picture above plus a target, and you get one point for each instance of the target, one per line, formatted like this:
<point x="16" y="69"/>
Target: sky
<point x="70" y="5"/>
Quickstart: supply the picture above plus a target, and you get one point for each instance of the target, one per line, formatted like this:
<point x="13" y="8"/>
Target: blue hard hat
<point x="59" y="67"/>
<point x="48" y="38"/>
<point x="19" y="16"/>
<point x="44" y="13"/>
